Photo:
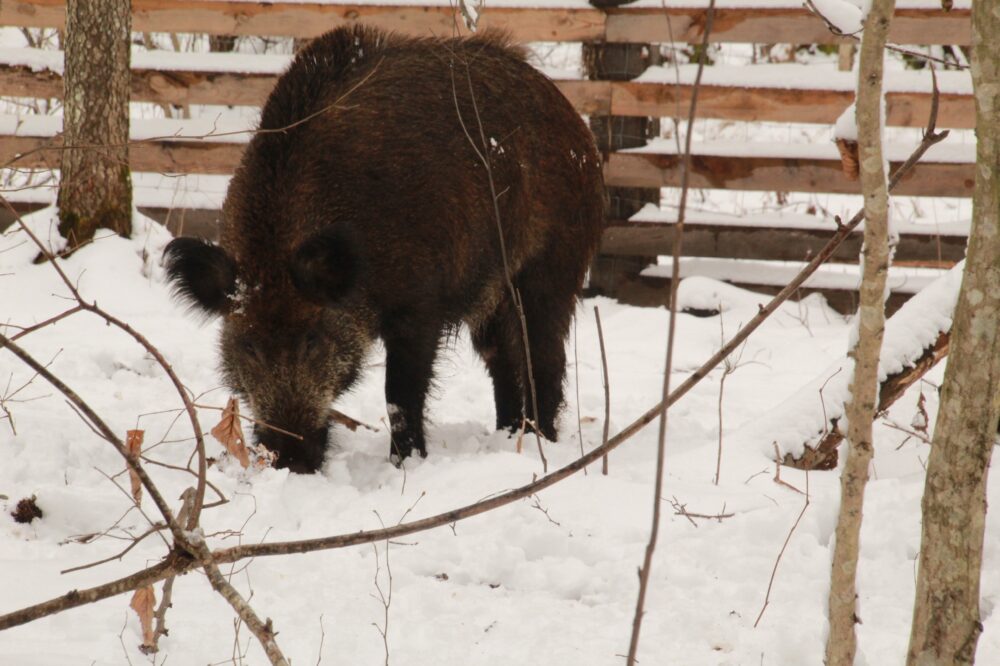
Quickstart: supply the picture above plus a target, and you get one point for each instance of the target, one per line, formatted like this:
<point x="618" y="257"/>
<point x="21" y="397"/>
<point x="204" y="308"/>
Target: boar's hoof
<point x="402" y="450"/>
<point x="513" y="429"/>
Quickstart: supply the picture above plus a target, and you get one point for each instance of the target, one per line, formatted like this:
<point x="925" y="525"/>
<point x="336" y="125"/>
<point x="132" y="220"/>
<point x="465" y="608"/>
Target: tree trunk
<point x="96" y="185"/>
<point x="841" y="642"/>
<point x="946" y="623"/>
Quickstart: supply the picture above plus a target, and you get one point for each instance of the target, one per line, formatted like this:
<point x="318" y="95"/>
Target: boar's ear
<point x="201" y="273"/>
<point x="324" y="267"/>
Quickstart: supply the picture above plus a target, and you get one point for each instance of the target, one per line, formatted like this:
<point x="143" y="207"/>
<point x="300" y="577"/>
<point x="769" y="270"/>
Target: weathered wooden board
<point x="751" y="242"/>
<point x="770" y="25"/>
<point x="305" y="19"/>
<point x="637" y="25"/>
<point x="619" y="98"/>
<point x="777" y="174"/>
<point x="936" y="179"/>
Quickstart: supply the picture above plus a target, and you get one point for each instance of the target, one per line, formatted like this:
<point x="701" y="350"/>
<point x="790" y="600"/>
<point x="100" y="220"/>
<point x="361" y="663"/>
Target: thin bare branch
<point x="647" y="564"/>
<point x="607" y="389"/>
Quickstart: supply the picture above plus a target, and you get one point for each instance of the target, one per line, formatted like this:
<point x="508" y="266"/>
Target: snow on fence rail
<point x="778" y="93"/>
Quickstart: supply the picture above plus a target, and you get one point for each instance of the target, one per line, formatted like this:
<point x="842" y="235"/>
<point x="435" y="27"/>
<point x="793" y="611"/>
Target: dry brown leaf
<point x="351" y="423"/>
<point x="230" y="434"/>
<point x="144" y="604"/>
<point x="133" y="442"/>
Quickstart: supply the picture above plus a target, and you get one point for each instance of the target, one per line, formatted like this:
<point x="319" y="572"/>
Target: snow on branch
<point x="812" y="411"/>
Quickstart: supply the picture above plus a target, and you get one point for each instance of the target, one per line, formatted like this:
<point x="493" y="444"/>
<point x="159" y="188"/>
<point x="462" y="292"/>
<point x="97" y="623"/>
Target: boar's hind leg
<point x="547" y="314"/>
<point x="498" y="343"/>
<point x="548" y="290"/>
<point x="409" y="365"/>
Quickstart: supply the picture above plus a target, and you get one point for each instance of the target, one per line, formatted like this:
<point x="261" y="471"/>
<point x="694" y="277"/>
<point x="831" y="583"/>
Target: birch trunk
<point x="841" y="644"/>
<point x="946" y="624"/>
<point x="95" y="182"/>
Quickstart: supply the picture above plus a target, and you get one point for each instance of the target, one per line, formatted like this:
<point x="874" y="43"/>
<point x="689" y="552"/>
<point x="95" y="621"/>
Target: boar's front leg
<point x="409" y="365"/>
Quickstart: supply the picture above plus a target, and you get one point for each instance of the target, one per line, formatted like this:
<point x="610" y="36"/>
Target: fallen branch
<point x="824" y="455"/>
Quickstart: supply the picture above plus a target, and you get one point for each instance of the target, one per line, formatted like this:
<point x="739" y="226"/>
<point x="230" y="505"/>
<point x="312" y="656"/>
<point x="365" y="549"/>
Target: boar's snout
<point x="302" y="456"/>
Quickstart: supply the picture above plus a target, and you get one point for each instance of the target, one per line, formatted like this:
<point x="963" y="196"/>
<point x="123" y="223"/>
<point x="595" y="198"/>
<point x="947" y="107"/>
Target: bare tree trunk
<point x="96" y="184"/>
<point x="841" y="643"/>
<point x="946" y="623"/>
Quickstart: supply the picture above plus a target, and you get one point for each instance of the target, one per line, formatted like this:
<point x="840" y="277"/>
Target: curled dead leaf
<point x="144" y="604"/>
<point x="229" y="432"/>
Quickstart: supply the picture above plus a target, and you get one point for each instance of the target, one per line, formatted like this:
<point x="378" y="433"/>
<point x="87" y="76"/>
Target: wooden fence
<point x="768" y="95"/>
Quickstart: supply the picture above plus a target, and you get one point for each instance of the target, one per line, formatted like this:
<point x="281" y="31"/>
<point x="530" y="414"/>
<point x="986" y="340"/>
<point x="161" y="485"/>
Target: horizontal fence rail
<point x="734" y="21"/>
<point x="709" y="169"/>
<point x="767" y="241"/>
<point x="761" y="102"/>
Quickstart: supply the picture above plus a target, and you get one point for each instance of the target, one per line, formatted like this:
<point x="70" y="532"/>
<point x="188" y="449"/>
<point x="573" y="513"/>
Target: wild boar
<point x="393" y="186"/>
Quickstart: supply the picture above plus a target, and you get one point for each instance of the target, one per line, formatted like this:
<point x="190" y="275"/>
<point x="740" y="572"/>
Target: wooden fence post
<point x="620" y="62"/>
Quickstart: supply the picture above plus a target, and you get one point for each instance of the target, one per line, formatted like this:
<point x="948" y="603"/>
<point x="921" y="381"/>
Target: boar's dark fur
<point x="362" y="210"/>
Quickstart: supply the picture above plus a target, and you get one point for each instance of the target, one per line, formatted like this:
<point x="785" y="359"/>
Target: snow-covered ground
<point x="551" y="580"/>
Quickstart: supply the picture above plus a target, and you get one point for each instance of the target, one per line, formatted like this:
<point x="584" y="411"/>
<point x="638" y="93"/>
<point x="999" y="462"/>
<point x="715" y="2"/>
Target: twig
<point x="729" y="366"/>
<point x="187" y="499"/>
<point x="607" y="390"/>
<point x="385" y="597"/>
<point x="576" y="385"/>
<point x="685" y="165"/>
<point x="777" y="561"/>
<point x="135" y="542"/>
<point x="537" y="504"/>
<point x="681" y="510"/>
<point x="322" y="637"/>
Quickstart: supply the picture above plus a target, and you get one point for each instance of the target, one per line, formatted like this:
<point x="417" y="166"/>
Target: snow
<point x="802" y="419"/>
<point x="846" y="126"/>
<point x="846" y="16"/>
<point x="517" y="585"/>
<point x="213" y="129"/>
<point x="44" y="59"/>
<point x="651" y="214"/>
<point x="954" y="153"/>
<point x="798" y="76"/>
<point x="512" y="586"/>
<point x="780" y="273"/>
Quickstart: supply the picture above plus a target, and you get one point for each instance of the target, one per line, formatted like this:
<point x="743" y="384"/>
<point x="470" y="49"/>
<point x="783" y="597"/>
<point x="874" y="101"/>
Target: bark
<point x="860" y="411"/>
<point x="946" y="618"/>
<point x="96" y="184"/>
